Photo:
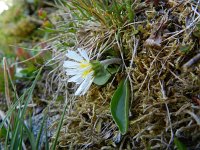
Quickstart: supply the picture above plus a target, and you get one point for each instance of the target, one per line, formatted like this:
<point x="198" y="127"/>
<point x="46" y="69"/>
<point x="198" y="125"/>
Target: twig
<point x="182" y="108"/>
<point x="136" y="42"/>
<point x="195" y="117"/>
<point x="134" y="53"/>
<point x="143" y="130"/>
<point x="192" y="61"/>
<point x="170" y="124"/>
<point x="178" y="123"/>
<point x="7" y="92"/>
<point x="181" y="31"/>
<point x="29" y="59"/>
<point x="163" y="89"/>
<point x="178" y="131"/>
<point x="142" y="118"/>
<point x="148" y="71"/>
<point x="177" y="76"/>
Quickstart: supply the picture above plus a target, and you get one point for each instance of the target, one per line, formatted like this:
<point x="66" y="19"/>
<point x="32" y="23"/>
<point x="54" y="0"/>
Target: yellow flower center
<point x="83" y="65"/>
<point x="86" y="72"/>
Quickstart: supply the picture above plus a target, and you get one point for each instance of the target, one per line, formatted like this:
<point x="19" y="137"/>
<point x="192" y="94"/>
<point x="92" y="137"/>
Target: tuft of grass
<point x="17" y="132"/>
<point x="112" y="14"/>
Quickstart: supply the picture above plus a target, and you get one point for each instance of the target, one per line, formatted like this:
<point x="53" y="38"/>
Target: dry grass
<point x="165" y="94"/>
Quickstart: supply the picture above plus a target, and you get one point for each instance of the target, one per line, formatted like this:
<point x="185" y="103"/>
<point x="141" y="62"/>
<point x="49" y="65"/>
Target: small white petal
<point x="70" y="64"/>
<point x="73" y="55"/>
<point x="84" y="85"/>
<point x="72" y="71"/>
<point x="80" y="80"/>
<point x="76" y="78"/>
<point x="87" y="87"/>
<point x="81" y="88"/>
<point x="84" y="54"/>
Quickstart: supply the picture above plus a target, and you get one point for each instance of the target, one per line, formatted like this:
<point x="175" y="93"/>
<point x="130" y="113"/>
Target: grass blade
<point x="40" y="131"/>
<point x="30" y="135"/>
<point x="7" y="137"/>
<point x="46" y="138"/>
<point x="59" y="127"/>
<point x="179" y="144"/>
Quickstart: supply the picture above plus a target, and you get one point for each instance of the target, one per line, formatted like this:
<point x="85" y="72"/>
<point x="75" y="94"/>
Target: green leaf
<point x="40" y="131"/>
<point x="179" y="145"/>
<point x="101" y="74"/>
<point x="102" y="78"/>
<point x="113" y="70"/>
<point x="30" y="136"/>
<point x="120" y="106"/>
<point x="59" y="127"/>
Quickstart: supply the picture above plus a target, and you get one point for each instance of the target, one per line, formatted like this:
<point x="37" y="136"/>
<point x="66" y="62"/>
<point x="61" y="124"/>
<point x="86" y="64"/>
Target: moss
<point x="162" y="91"/>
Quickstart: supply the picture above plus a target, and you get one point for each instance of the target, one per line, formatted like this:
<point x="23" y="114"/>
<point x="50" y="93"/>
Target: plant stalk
<point x="111" y="61"/>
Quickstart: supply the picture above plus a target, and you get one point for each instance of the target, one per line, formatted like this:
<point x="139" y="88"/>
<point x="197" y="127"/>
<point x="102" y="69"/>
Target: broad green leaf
<point x="120" y="106"/>
<point x="105" y="75"/>
<point x="102" y="78"/>
<point x="179" y="145"/>
<point x="113" y="70"/>
<point x="101" y="74"/>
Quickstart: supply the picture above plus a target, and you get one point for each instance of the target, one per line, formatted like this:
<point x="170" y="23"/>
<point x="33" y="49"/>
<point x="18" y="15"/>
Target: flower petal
<point x="84" y="85"/>
<point x="84" y="54"/>
<point x="73" y="55"/>
<point x="70" y="64"/>
<point x="87" y="87"/>
<point x="72" y="71"/>
<point x="77" y="79"/>
<point x="81" y="88"/>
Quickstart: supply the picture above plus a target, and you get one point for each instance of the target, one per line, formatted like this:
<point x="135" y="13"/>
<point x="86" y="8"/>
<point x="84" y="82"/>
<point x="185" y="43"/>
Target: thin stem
<point x="111" y="61"/>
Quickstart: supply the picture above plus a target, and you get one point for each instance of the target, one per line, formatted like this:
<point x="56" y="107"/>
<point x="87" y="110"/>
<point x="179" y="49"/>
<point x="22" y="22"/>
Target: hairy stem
<point x="111" y="61"/>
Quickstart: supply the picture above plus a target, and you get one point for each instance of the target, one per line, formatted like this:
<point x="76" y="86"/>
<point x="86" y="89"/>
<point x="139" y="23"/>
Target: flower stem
<point x="111" y="61"/>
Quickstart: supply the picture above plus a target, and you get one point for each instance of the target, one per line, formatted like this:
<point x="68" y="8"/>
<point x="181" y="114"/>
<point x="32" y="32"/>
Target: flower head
<point x="80" y="69"/>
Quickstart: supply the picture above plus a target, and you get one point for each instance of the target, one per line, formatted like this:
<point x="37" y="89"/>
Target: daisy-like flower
<point x="80" y="69"/>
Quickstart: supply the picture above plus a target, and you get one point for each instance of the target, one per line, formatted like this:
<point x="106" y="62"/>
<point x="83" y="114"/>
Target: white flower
<point x="80" y="70"/>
